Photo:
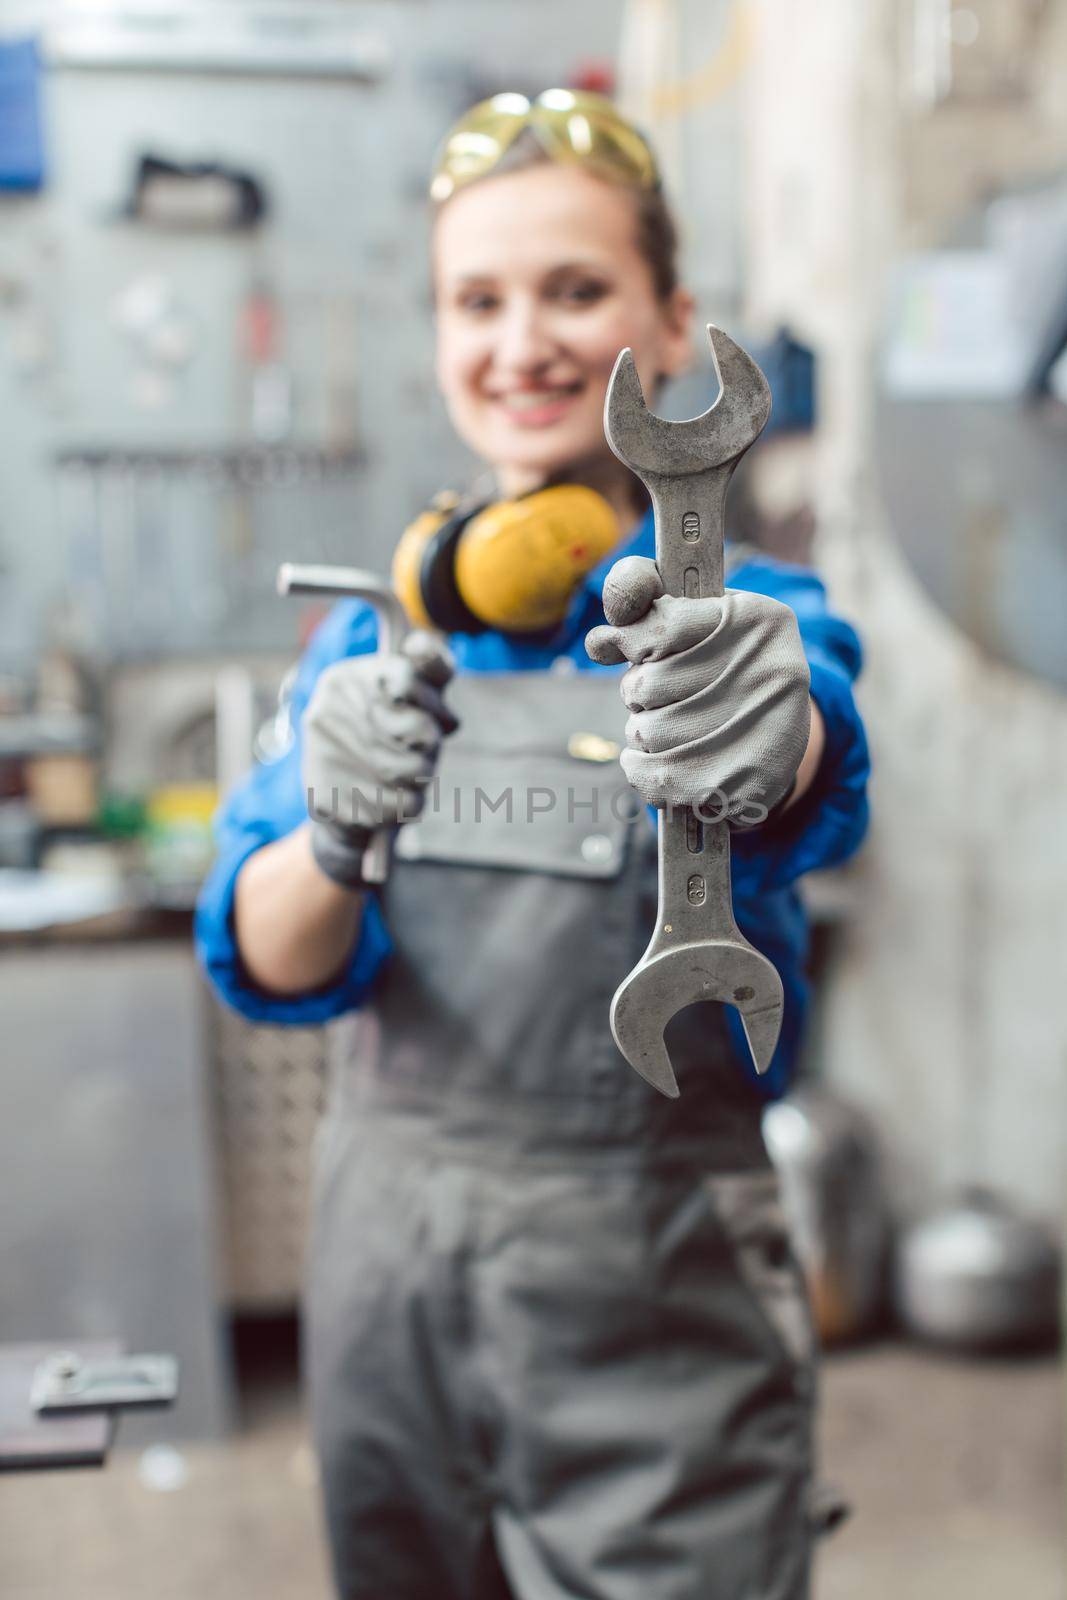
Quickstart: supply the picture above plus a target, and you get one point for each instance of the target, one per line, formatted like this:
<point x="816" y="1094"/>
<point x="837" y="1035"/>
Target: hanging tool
<point x="393" y="627"/>
<point x="696" y="952"/>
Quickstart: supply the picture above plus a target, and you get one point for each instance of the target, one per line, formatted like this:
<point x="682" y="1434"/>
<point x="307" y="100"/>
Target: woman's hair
<point x="657" y="235"/>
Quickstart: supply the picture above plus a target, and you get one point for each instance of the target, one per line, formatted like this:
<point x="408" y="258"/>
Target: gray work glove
<point x="371" y="736"/>
<point x="717" y="690"/>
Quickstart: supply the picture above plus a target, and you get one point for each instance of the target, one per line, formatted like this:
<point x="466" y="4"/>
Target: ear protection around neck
<point x="511" y="565"/>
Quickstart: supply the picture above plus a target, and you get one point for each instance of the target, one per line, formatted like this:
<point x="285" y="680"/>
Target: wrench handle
<point x="695" y="900"/>
<point x="690" y="514"/>
<point x="694" y="855"/>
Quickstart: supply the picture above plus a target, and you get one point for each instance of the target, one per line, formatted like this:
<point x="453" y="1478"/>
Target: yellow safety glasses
<point x="570" y="125"/>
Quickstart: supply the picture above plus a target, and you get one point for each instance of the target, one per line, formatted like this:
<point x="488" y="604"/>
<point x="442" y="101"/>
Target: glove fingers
<point x="698" y="725"/>
<point x="670" y="626"/>
<point x="601" y="645"/>
<point x="365" y="802"/>
<point x="662" y="788"/>
<point x="390" y="762"/>
<point x="380" y="759"/>
<point x="717" y="689"/>
<point x="630" y="588"/>
<point x="430" y="656"/>
<point x="402" y="684"/>
<point x="371" y="735"/>
<point x="696" y="699"/>
<point x="405" y="727"/>
<point x="388" y="804"/>
<point x="667" y="681"/>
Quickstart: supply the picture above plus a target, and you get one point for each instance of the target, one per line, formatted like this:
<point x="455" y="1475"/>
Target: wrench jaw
<point x="661" y="986"/>
<point x="640" y="1039"/>
<point x="655" y="448"/>
<point x="629" y="427"/>
<point x="744" y="402"/>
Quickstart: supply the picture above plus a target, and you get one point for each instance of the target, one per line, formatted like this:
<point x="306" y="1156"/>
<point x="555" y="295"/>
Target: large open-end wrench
<point x="333" y="583"/>
<point x="696" y="952"/>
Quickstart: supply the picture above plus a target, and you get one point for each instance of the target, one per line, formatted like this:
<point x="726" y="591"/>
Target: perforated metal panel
<point x="267" y="1093"/>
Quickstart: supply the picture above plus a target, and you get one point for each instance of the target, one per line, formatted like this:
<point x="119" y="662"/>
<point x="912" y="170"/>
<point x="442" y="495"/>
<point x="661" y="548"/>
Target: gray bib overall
<point x="557" y="1345"/>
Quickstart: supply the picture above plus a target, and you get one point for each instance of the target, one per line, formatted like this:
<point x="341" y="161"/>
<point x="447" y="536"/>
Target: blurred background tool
<point x="977" y="1275"/>
<point x="60" y="1407"/>
<point x="67" y="1383"/>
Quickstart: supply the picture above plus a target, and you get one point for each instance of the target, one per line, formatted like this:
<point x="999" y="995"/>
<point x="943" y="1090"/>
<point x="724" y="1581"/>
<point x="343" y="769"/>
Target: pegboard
<point x="267" y="1088"/>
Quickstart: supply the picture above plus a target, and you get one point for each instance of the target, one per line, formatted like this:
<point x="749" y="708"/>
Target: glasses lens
<point x="571" y="126"/>
<point x="478" y="141"/>
<point x="588" y="129"/>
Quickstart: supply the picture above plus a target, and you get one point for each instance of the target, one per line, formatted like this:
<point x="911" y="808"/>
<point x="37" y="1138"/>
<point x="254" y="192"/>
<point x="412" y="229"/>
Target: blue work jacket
<point x="822" y="829"/>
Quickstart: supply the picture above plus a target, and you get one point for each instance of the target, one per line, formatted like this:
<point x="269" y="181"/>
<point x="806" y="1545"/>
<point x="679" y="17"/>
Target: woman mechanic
<point x="556" y="1343"/>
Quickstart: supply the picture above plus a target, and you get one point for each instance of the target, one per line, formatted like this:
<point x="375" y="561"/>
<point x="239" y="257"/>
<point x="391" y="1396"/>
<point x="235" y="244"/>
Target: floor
<point x="955" y="1470"/>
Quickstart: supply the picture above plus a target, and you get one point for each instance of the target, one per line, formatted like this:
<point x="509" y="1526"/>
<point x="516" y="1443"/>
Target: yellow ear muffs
<point x="408" y="558"/>
<point x="519" y="562"/>
<point x="512" y="565"/>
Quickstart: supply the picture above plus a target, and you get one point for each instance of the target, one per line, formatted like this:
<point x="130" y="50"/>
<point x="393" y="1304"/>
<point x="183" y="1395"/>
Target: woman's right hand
<point x="372" y="733"/>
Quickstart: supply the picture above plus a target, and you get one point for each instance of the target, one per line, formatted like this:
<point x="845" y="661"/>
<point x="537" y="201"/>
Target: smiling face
<point x="539" y="283"/>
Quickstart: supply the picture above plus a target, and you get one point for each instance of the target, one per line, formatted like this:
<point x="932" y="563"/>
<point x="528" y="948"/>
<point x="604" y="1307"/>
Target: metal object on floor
<point x="393" y="627"/>
<point x="696" y="952"/>
<point x="978" y="1275"/>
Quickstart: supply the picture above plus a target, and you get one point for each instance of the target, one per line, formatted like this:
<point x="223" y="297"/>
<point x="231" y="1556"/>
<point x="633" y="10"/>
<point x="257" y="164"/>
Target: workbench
<point x="108" y="1223"/>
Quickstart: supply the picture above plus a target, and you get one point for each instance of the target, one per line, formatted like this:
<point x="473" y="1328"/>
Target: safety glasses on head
<point x="570" y="126"/>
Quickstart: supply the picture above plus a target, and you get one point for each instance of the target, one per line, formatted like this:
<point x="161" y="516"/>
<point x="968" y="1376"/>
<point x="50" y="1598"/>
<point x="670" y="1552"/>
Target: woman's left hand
<point x="717" y="690"/>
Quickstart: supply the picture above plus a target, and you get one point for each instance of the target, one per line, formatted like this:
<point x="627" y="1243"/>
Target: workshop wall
<point x="944" y="1012"/>
<point x="137" y="460"/>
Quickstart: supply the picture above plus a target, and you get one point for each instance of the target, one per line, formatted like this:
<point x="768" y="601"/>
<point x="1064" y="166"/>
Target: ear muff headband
<point x="407" y="557"/>
<point x="438" y="584"/>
